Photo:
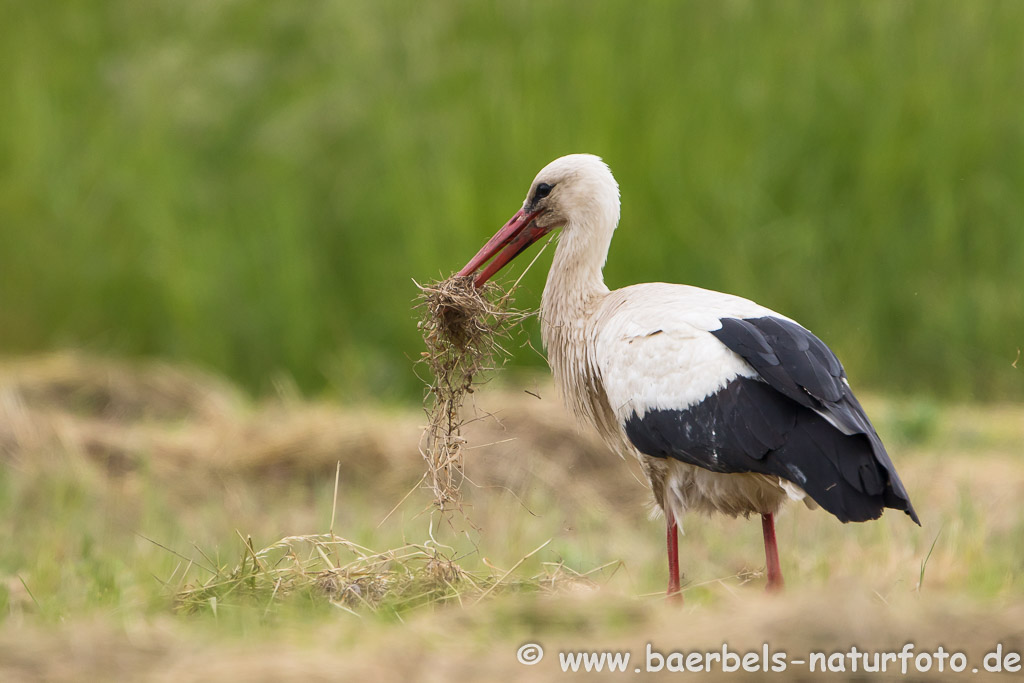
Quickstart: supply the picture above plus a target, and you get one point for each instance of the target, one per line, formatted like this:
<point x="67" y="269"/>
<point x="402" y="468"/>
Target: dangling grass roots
<point x="461" y="326"/>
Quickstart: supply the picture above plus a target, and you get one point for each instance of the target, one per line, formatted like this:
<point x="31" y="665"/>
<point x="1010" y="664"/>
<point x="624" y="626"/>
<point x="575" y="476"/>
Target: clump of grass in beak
<point x="461" y="325"/>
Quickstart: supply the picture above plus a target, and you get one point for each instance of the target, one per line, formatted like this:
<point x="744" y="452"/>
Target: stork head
<point x="575" y="192"/>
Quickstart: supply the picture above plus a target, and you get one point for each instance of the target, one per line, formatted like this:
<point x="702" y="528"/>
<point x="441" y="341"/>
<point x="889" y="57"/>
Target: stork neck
<point x="576" y="281"/>
<point x="574" y="293"/>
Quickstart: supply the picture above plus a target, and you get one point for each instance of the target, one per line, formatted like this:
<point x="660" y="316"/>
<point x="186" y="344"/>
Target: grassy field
<point x="131" y="496"/>
<point x="245" y="192"/>
<point x="252" y="188"/>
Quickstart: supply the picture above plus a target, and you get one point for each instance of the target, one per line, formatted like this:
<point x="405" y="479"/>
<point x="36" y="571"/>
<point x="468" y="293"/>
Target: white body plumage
<point x="649" y="347"/>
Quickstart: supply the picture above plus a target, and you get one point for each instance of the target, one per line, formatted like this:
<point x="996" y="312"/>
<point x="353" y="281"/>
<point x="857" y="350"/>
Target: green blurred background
<point x="252" y="186"/>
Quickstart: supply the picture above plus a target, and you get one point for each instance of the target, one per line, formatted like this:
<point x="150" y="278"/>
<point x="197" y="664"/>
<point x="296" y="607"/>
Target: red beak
<point x="515" y="236"/>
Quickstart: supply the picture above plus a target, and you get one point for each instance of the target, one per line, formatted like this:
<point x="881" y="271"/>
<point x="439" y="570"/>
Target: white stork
<point x="729" y="406"/>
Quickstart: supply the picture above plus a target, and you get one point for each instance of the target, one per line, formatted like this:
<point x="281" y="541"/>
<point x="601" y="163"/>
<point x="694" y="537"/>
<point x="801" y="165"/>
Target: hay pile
<point x="461" y="326"/>
<point x="355" y="578"/>
<point x="133" y="419"/>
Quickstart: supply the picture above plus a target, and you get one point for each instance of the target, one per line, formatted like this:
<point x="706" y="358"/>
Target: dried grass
<point x="227" y="438"/>
<point x="189" y="430"/>
<point x="461" y="326"/>
<point x="117" y="390"/>
<point x="355" y="578"/>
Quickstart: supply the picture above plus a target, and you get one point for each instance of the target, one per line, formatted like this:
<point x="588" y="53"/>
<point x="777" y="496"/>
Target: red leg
<point x="672" y="541"/>
<point x="771" y="554"/>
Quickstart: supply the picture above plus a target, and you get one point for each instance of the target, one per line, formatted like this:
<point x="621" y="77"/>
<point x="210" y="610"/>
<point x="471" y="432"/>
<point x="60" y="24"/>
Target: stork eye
<point x="543" y="190"/>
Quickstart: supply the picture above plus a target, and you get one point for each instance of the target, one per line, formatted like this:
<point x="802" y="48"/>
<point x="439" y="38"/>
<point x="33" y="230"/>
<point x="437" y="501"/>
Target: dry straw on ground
<point x="461" y="326"/>
<point x="355" y="578"/>
<point x="133" y="420"/>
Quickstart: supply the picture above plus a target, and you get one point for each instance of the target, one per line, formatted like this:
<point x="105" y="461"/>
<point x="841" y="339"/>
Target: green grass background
<point x="252" y="186"/>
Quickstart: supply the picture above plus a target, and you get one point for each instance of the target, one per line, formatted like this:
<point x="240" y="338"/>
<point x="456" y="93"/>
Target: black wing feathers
<point x="791" y="359"/>
<point x="805" y="361"/>
<point x="802" y="423"/>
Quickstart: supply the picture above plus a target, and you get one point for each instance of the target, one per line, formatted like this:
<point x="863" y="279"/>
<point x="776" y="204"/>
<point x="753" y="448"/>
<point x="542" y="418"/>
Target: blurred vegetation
<point x="253" y="186"/>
